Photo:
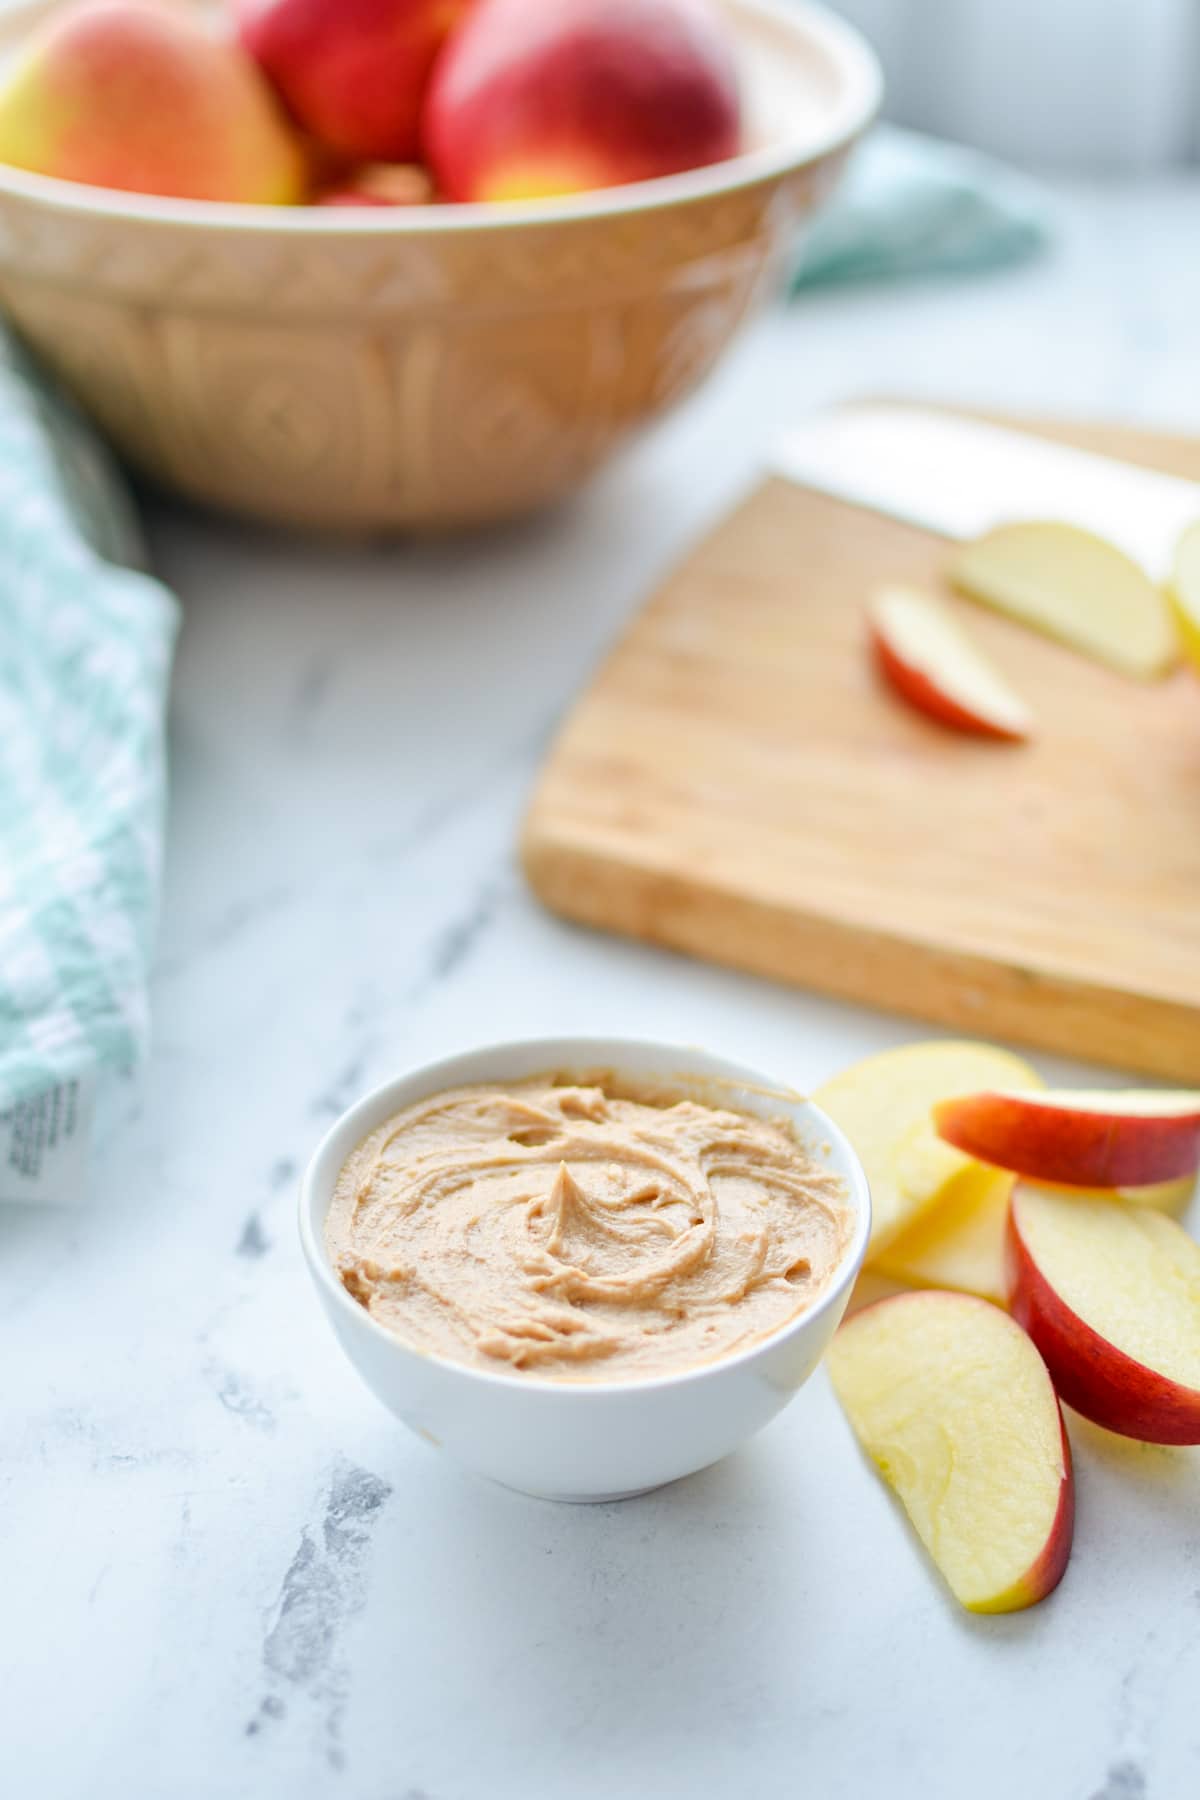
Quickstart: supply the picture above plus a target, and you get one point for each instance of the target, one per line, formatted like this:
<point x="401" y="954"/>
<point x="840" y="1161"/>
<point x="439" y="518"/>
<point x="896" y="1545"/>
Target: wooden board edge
<point x="990" y="998"/>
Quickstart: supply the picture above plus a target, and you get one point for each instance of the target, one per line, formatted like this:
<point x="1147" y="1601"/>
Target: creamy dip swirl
<point x="583" y="1230"/>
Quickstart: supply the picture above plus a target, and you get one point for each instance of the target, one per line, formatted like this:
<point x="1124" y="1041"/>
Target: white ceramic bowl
<point x="593" y="1440"/>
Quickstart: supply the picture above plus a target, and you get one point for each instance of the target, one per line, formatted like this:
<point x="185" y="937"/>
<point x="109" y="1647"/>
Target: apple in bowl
<point x="134" y="96"/>
<point x="352" y="72"/>
<point x="533" y="98"/>
<point x="467" y="349"/>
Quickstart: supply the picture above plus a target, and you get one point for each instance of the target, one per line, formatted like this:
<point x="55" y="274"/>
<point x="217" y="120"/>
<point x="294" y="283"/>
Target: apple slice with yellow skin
<point x="953" y="1404"/>
<point x="1185" y="591"/>
<point x="1076" y="587"/>
<point x="958" y="1242"/>
<point x="880" y="1102"/>
<point x="934" y="666"/>
<point x="1110" y="1294"/>
<point x="1083" y="1138"/>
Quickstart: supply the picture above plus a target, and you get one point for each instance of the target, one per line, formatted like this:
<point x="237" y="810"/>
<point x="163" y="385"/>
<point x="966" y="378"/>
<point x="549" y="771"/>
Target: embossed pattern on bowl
<point x="428" y="368"/>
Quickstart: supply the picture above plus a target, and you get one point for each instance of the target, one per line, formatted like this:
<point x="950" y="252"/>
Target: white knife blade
<point x="960" y="478"/>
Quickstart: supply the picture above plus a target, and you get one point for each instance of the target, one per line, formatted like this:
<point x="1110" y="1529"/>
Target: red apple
<point x="1110" y="1294"/>
<point x="1084" y="1139"/>
<point x="932" y="665"/>
<point x="125" y="94"/>
<point x="540" y="97"/>
<point x="353" y="72"/>
<point x="954" y="1406"/>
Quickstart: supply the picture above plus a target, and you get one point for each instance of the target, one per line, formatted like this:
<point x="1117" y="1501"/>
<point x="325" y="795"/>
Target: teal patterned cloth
<point x="85" y="652"/>
<point x="912" y="205"/>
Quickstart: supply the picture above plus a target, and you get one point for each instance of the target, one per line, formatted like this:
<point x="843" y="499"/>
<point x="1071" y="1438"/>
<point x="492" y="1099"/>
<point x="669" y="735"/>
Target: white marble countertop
<point x="229" y="1573"/>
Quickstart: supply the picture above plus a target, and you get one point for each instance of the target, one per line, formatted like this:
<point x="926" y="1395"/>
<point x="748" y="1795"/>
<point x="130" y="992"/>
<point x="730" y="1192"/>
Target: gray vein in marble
<point x="1125" y="1780"/>
<point x="236" y="1394"/>
<point x="239" y="917"/>
<point x="71" y="1428"/>
<point x="254" y="1241"/>
<point x="451" y="949"/>
<point x="447" y="809"/>
<point x="343" y="1089"/>
<point x="458" y="942"/>
<point x="322" y="1590"/>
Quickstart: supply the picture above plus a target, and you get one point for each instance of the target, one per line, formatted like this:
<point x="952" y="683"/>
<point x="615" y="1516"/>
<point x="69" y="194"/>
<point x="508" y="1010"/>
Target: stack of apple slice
<point x="1108" y="1291"/>
<point x="1058" y="1205"/>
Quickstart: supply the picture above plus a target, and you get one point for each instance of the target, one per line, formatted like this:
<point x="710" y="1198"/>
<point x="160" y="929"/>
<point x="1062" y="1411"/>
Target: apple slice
<point x="933" y="666"/>
<point x="1185" y="591"/>
<point x="880" y="1103"/>
<point x="1102" y="1139"/>
<point x="958" y="1242"/>
<point x="1110" y="1294"/>
<point x="1075" y="587"/>
<point x="954" y="1406"/>
<point x="1172" y="1197"/>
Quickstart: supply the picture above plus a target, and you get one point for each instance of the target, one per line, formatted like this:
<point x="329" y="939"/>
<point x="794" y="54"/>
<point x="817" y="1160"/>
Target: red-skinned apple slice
<point x="1084" y="1139"/>
<point x="933" y="666"/>
<point x="953" y="1404"/>
<point x="1110" y="1294"/>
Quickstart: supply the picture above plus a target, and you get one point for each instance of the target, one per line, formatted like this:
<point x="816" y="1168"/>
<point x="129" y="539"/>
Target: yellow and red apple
<point x="953" y="1404"/>
<point x="1085" y="1139"/>
<point x="539" y="97"/>
<point x="352" y="72"/>
<point x="933" y="665"/>
<point x="127" y="94"/>
<point x="1110" y="1294"/>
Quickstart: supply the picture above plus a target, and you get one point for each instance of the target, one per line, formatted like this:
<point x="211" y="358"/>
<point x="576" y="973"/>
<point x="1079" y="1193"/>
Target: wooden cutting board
<point x="737" y="783"/>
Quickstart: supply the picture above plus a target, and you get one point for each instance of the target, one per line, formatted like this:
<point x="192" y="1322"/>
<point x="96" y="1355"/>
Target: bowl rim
<point x="684" y="1060"/>
<point x="856" y="107"/>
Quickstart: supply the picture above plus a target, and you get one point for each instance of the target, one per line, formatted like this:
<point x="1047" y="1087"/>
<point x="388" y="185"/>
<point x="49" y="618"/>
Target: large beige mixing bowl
<point x="423" y="368"/>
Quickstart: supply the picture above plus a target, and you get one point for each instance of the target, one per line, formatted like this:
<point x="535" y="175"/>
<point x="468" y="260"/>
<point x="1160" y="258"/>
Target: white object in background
<point x="1110" y="86"/>
<point x="583" y="1440"/>
<point x="960" y="479"/>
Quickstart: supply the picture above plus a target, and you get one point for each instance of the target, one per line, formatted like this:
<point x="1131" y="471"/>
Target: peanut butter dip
<point x="583" y="1231"/>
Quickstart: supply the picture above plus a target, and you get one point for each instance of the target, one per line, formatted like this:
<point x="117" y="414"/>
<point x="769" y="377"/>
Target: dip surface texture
<point x="587" y="1232"/>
